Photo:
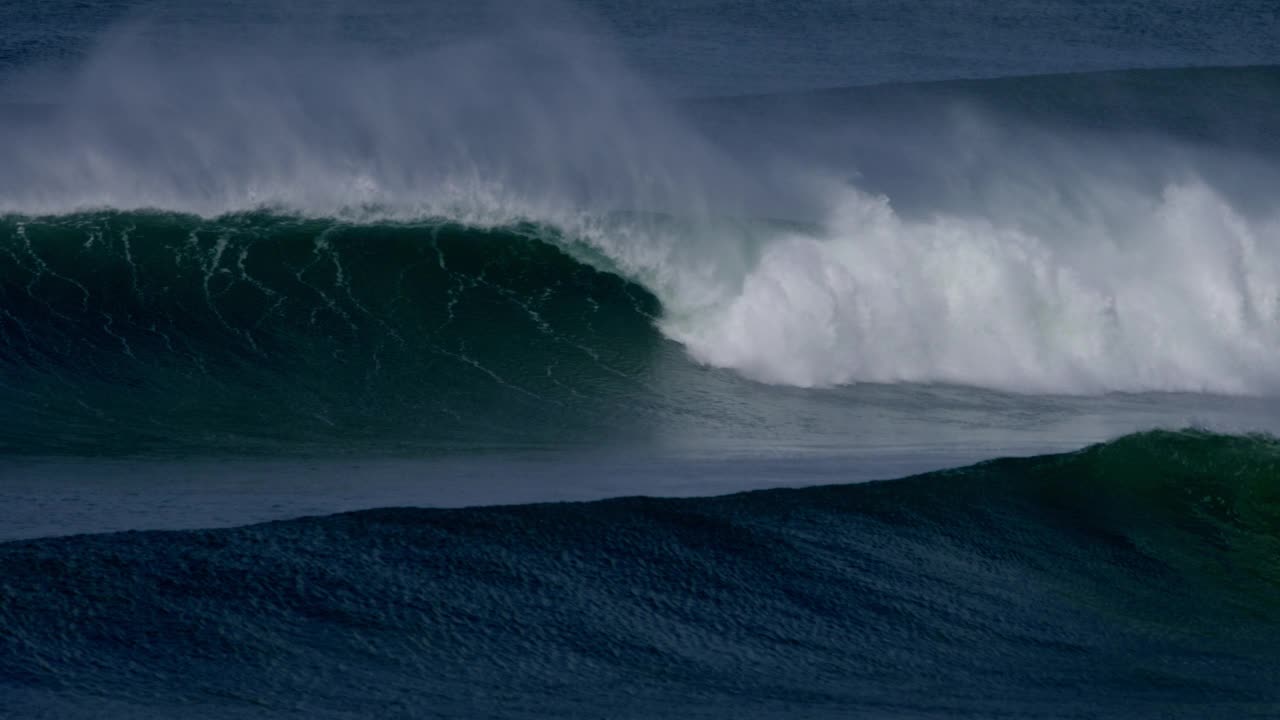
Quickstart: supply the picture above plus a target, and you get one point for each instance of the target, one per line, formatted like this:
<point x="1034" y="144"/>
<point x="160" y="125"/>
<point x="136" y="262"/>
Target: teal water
<point x="415" y="361"/>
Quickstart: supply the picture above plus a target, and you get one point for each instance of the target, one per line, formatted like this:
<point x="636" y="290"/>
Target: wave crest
<point x="1175" y="293"/>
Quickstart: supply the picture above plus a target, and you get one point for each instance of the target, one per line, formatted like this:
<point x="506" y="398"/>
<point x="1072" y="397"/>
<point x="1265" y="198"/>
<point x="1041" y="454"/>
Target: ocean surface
<point x="680" y="359"/>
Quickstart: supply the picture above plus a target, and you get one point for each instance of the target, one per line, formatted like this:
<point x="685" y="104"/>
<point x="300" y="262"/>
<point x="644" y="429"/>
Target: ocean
<point x="597" y="359"/>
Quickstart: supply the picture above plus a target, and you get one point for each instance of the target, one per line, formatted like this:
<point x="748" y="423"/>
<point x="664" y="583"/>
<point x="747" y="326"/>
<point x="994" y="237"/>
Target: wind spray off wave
<point x="269" y="206"/>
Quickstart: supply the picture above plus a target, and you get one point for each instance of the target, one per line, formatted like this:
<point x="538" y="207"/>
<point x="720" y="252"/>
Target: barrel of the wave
<point x="269" y="331"/>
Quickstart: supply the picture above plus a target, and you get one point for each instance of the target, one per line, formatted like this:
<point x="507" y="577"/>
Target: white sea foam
<point x="1183" y="294"/>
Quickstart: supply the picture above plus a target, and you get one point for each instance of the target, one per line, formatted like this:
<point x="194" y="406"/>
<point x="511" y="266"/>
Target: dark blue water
<point x="1134" y="580"/>
<point x="717" y="47"/>
<point x="265" y="263"/>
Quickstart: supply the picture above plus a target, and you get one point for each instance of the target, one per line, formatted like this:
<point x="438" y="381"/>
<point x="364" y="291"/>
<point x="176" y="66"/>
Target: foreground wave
<point x="1137" y="578"/>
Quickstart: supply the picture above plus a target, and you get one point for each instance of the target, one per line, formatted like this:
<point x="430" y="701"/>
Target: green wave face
<point x="148" y="331"/>
<point x="1193" y="511"/>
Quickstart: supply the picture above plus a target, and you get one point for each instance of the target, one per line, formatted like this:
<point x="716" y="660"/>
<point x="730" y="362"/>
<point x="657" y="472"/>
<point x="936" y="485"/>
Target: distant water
<point x="259" y="262"/>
